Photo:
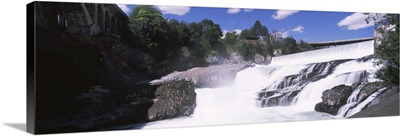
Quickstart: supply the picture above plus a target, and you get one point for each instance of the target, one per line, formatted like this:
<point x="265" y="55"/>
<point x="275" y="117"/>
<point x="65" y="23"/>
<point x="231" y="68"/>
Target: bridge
<point x="338" y="42"/>
<point x="80" y="18"/>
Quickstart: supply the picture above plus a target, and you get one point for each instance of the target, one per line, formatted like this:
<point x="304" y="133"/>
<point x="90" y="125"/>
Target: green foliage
<point x="258" y="30"/>
<point x="231" y="38"/>
<point x="147" y="22"/>
<point x="179" y="32"/>
<point x="246" y="50"/>
<point x="171" y="42"/>
<point x="245" y="33"/>
<point x="205" y="37"/>
<point x="290" y="45"/>
<point x="304" y="46"/>
<point x="388" y="51"/>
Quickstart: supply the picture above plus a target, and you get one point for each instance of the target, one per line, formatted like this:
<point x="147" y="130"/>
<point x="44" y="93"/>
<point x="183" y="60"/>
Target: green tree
<point x="245" y="33"/>
<point x="143" y="17"/>
<point x="246" y="50"/>
<point x="387" y="51"/>
<point x="258" y="30"/>
<point x="304" y="46"/>
<point x="290" y="45"/>
<point x="178" y="33"/>
<point x="205" y="36"/>
<point x="147" y="22"/>
<point x="231" y="38"/>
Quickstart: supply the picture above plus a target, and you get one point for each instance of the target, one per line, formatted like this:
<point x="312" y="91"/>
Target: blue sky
<point x="311" y="26"/>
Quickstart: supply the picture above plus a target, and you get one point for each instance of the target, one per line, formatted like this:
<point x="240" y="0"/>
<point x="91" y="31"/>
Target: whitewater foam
<point x="237" y="104"/>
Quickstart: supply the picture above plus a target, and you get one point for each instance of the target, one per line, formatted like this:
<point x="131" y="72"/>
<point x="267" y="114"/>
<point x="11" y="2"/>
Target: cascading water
<point x="352" y="107"/>
<point x="350" y="51"/>
<point x="289" y="88"/>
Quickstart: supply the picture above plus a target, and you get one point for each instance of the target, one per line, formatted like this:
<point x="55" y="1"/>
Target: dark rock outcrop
<point x="391" y="90"/>
<point x="386" y="107"/>
<point x="173" y="99"/>
<point x="333" y="99"/>
<point x="368" y="89"/>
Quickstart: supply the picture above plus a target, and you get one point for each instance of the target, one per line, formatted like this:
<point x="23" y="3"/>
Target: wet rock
<point x="173" y="99"/>
<point x="212" y="76"/>
<point x="276" y="98"/>
<point x="368" y="89"/>
<point x="259" y="59"/>
<point x="390" y="91"/>
<point x="333" y="99"/>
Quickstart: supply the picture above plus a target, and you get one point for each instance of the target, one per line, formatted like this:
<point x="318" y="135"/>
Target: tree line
<point x="167" y="39"/>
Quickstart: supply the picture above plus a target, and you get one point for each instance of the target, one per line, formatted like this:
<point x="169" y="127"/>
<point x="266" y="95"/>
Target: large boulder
<point x="173" y="99"/>
<point x="333" y="99"/>
<point x="259" y="59"/>
<point x="236" y="58"/>
<point x="201" y="77"/>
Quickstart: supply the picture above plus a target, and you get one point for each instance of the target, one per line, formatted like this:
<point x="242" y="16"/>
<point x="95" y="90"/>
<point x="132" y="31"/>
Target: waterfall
<point x="364" y="103"/>
<point x="352" y="107"/>
<point x="347" y="73"/>
<point x="285" y="90"/>
<point x="348" y="51"/>
<point x="351" y="102"/>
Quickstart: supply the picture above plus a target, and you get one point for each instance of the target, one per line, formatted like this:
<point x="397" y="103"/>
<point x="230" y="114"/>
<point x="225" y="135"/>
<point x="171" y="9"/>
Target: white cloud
<point x="224" y="33"/>
<point x="248" y="10"/>
<point x="175" y="10"/>
<point x="237" y="10"/>
<point x="298" y="29"/>
<point x="355" y="21"/>
<point x="233" y="10"/>
<point x="282" y="14"/>
<point x="124" y="8"/>
<point x="238" y="32"/>
<point x="285" y="33"/>
<point x="281" y="33"/>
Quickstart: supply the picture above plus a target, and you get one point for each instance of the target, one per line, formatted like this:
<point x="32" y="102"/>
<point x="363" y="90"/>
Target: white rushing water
<point x="352" y="107"/>
<point x="237" y="104"/>
<point x="350" y="51"/>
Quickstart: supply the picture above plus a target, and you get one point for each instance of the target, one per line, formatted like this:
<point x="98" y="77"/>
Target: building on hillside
<point x="260" y="39"/>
